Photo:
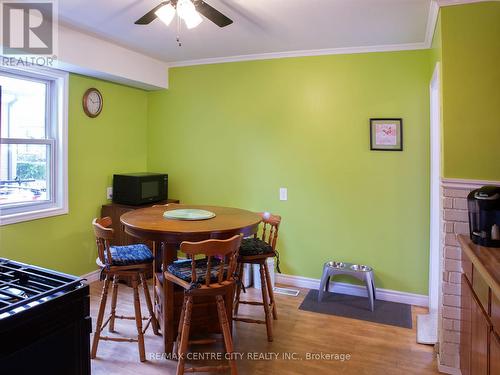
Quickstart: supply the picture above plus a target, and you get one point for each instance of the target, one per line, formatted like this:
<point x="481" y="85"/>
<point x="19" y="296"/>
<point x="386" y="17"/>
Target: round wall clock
<point x="92" y="102"/>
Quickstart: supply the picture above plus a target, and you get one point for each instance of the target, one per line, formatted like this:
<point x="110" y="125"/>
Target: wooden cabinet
<point x="494" y="354"/>
<point x="114" y="211"/>
<point x="465" y="326"/>
<point x="481" y="289"/>
<point x="495" y="313"/>
<point x="474" y="332"/>
<point x="480" y="329"/>
<point x="480" y="310"/>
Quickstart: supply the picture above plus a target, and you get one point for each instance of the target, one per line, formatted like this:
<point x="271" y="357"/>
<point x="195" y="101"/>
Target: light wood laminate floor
<point x="373" y="348"/>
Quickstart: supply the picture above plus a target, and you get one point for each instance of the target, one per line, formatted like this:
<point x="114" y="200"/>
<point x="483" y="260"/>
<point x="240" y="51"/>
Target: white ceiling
<point x="260" y="26"/>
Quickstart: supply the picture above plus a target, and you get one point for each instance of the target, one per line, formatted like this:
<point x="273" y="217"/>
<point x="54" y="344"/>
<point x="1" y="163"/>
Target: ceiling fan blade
<point x="150" y="16"/>
<point x="212" y="14"/>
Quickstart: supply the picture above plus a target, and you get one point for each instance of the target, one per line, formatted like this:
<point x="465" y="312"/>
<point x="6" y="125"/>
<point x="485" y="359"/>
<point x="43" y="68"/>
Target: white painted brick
<point x="450" y="300"/>
<point x="455" y="221"/>
<point x="450" y="360"/>
<point x="450" y="239"/>
<point x="448" y="228"/>
<point x="456" y="215"/>
<point x="461" y="228"/>
<point x="451" y="337"/>
<point x="446" y="276"/>
<point x="447" y="202"/>
<point x="455" y="193"/>
<point x="449" y="348"/>
<point x="452" y="252"/>
<point x="460" y="203"/>
<point x="448" y="324"/>
<point x="452" y="265"/>
<point x="453" y="289"/>
<point x="455" y="277"/>
<point x="451" y="312"/>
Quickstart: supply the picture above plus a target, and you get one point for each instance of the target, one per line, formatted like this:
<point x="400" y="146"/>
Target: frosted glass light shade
<point x="166" y="13"/>
<point x="187" y="11"/>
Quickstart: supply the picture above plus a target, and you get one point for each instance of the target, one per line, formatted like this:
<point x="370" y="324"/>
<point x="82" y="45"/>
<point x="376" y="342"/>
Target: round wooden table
<point x="167" y="234"/>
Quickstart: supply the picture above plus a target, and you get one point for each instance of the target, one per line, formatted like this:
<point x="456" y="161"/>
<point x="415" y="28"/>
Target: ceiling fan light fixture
<point x="193" y="20"/>
<point x="187" y="11"/>
<point x="166" y="13"/>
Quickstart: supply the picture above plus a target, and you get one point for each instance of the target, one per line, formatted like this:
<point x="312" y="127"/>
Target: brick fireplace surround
<point x="455" y="221"/>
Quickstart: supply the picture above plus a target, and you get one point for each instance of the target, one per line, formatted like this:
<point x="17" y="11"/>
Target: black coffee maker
<point x="484" y="216"/>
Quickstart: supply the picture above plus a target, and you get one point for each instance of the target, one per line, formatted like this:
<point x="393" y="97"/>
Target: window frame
<point x="56" y="137"/>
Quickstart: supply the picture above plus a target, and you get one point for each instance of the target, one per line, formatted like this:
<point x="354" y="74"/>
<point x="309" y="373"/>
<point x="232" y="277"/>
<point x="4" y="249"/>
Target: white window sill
<point x="32" y="215"/>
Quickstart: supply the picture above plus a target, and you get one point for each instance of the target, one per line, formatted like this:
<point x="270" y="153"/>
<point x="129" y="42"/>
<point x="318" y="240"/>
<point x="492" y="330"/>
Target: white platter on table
<point x="188" y="214"/>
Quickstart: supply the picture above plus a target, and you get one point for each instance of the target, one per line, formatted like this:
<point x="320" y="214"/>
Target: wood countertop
<point x="486" y="260"/>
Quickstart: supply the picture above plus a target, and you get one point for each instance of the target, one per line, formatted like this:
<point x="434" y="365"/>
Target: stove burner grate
<point x="22" y="284"/>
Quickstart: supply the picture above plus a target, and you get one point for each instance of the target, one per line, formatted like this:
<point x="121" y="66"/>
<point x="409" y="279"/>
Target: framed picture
<point x="386" y="134"/>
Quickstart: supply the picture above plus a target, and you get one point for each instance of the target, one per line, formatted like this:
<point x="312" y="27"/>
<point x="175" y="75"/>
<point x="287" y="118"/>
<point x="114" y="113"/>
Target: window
<point x="33" y="144"/>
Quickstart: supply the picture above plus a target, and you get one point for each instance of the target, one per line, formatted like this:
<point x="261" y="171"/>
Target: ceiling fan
<point x="188" y="10"/>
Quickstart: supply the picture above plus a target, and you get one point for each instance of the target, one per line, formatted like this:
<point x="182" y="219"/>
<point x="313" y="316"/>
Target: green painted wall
<point x="471" y="90"/>
<point x="113" y="142"/>
<point x="232" y="134"/>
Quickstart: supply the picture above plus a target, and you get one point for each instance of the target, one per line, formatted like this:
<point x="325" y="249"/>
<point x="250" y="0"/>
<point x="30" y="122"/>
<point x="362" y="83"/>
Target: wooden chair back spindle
<point x="273" y="221"/>
<point x="224" y="249"/>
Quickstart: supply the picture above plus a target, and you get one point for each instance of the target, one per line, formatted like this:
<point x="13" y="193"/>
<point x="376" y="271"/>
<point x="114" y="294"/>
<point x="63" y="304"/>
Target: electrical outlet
<point x="283" y="194"/>
<point x="109" y="192"/>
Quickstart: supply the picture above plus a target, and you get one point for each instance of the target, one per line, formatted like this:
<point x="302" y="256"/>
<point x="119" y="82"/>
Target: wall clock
<point x="92" y="102"/>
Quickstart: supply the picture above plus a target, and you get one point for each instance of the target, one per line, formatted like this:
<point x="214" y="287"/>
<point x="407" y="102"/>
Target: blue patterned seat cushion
<point x="182" y="269"/>
<point x="130" y="255"/>
<point x="255" y="246"/>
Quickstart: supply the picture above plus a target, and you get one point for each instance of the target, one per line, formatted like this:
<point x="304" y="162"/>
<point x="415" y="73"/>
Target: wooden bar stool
<point x="117" y="261"/>
<point x="256" y="251"/>
<point x="211" y="276"/>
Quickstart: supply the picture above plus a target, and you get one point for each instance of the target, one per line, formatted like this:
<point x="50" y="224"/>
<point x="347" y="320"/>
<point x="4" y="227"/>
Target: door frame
<point x="436" y="230"/>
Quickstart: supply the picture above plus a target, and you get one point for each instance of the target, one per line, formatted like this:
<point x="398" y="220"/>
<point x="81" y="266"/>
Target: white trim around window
<point x="58" y="104"/>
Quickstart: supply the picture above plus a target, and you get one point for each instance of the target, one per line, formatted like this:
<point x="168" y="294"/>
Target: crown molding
<point x="431" y="22"/>
<point x="301" y="53"/>
<point x="429" y="34"/>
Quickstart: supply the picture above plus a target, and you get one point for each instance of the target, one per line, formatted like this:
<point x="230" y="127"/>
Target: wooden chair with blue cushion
<point x="257" y="250"/>
<point x="212" y="275"/>
<point x="116" y="261"/>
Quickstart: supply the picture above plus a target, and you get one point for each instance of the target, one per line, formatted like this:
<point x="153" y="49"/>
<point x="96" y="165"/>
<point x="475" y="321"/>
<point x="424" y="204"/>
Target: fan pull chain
<point x="178" y="19"/>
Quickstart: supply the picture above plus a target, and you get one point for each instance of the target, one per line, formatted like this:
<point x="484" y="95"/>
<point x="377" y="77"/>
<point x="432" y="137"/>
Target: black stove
<point x="44" y="321"/>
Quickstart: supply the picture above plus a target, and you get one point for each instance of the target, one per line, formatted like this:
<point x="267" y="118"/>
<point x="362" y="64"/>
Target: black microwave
<point x="140" y="188"/>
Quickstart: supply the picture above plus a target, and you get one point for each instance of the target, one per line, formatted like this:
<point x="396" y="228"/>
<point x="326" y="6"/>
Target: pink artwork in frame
<point x="386" y="134"/>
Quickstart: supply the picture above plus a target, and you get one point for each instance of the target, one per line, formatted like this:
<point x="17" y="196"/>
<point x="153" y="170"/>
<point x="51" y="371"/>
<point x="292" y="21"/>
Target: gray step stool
<point x="359" y="271"/>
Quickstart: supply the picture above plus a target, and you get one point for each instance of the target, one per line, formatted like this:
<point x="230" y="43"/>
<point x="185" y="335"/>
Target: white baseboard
<point x="355" y="290"/>
<point x="344" y="288"/>
<point x="91" y="276"/>
<point x="446" y="369"/>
